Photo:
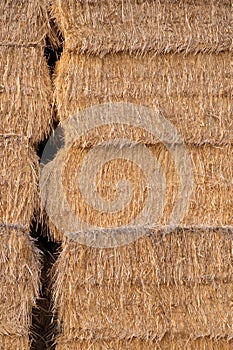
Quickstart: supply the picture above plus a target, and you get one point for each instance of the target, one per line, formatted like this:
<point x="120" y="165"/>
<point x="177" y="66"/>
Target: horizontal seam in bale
<point x="134" y="343"/>
<point x="18" y="227"/>
<point x="17" y="45"/>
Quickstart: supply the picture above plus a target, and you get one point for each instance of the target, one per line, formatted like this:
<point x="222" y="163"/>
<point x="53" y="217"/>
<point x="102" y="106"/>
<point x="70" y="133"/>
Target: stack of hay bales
<point x="25" y="114"/>
<point x="163" y="291"/>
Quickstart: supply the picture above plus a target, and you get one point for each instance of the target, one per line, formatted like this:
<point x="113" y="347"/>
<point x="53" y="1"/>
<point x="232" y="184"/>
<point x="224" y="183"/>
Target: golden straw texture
<point x="19" y="283"/>
<point x="142" y="311"/>
<point x="194" y="92"/>
<point x="100" y="27"/>
<point x="210" y="203"/>
<point x="184" y="256"/>
<point x="8" y="342"/>
<point x="176" y="284"/>
<point x="18" y="181"/>
<point x="25" y="93"/>
<point x="25" y="23"/>
<point x="172" y="288"/>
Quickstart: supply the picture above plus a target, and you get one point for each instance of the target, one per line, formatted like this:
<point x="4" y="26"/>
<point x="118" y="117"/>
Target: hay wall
<point x="107" y="26"/>
<point x="26" y="118"/>
<point x="164" y="291"/>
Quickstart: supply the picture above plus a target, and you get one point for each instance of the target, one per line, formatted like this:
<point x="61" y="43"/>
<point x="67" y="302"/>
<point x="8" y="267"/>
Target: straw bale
<point x="19" y="283"/>
<point x="146" y="311"/>
<point x="137" y="344"/>
<point x="210" y="203"/>
<point x="181" y="257"/>
<point x="18" y="181"/>
<point x="194" y="92"/>
<point x="25" y="93"/>
<point x="107" y="26"/>
<point x="25" y="23"/>
<point x="178" y="284"/>
<point x="14" y="343"/>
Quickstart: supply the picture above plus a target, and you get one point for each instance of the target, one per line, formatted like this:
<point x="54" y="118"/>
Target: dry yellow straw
<point x="109" y="26"/>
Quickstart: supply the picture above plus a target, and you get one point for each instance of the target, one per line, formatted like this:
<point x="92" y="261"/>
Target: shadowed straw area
<point x="109" y="26"/>
<point x="44" y="322"/>
<point x="137" y="344"/>
<point x="25" y="93"/>
<point x="18" y="181"/>
<point x="177" y="284"/>
<point x="25" y="23"/>
<point x="19" y="284"/>
<point x="194" y="92"/>
<point x="210" y="203"/>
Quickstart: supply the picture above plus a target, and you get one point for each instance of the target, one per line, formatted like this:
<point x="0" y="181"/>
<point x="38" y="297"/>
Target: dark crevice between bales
<point x="53" y="54"/>
<point x="44" y="322"/>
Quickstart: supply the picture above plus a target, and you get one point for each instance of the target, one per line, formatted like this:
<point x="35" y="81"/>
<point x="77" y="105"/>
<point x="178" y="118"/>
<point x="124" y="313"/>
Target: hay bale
<point x="19" y="259"/>
<point x="177" y="284"/>
<point x="18" y="181"/>
<point x="210" y="203"/>
<point x="184" y="256"/>
<point x="137" y="344"/>
<point x="14" y="343"/>
<point x="103" y="313"/>
<point x="25" y="93"/>
<point x="194" y="92"/>
<point x="19" y="284"/>
<point x="25" y="23"/>
<point x="168" y="289"/>
<point x="102" y="27"/>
